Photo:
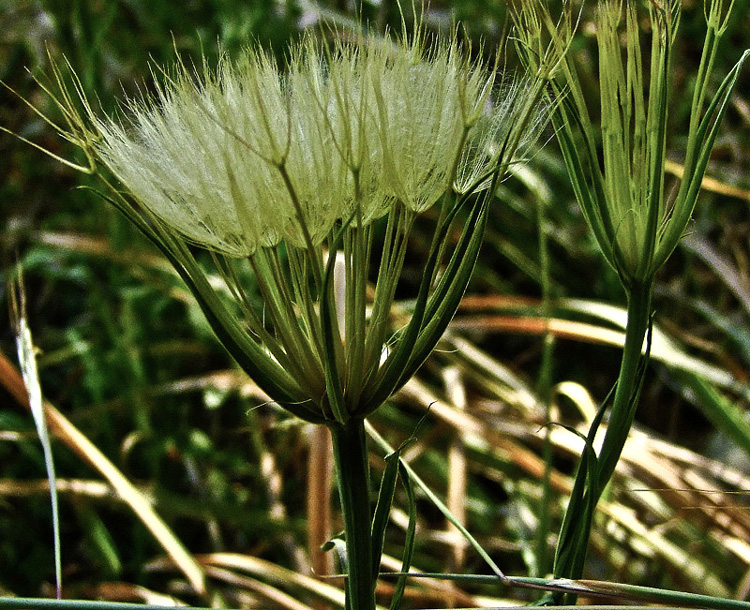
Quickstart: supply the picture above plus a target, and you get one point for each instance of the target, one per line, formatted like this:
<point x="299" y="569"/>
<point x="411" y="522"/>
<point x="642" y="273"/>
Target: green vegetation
<point x="179" y="479"/>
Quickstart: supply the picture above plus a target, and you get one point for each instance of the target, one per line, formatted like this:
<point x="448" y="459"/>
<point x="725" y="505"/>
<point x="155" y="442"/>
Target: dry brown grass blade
<point x="63" y="429"/>
<point x="130" y="593"/>
<point x="267" y="571"/>
<point x="222" y="380"/>
<point x="75" y="487"/>
<point x="457" y="467"/>
<point x="100" y="246"/>
<point x="563" y="329"/>
<point x="464" y="423"/>
<point x="264" y="592"/>
<point x="708" y="183"/>
<point x="663" y="348"/>
<point x="319" y="484"/>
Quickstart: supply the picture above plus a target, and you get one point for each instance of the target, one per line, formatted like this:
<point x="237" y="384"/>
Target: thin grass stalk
<point x="64" y="430"/>
<point x="544" y="391"/>
<point x="457" y="469"/>
<point x="414" y="478"/>
<point x="49" y="604"/>
<point x="352" y="470"/>
<point x="30" y="372"/>
<point x="673" y="600"/>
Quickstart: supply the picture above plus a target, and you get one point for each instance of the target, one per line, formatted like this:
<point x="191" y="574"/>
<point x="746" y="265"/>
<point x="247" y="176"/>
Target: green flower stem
<point x="352" y="470"/>
<point x="628" y="384"/>
<point x="593" y="475"/>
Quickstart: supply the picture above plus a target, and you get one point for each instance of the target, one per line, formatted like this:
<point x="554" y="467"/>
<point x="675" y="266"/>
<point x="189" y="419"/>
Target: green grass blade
<point x="20" y="603"/>
<point x="379" y="440"/>
<point x="30" y="374"/>
<point x="724" y="414"/>
<point x="383" y="508"/>
<point x="410" y="537"/>
<point x="574" y="533"/>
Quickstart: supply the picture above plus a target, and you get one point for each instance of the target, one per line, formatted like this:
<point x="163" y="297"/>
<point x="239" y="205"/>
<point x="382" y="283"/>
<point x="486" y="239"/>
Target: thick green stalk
<point x="593" y="475"/>
<point x="628" y="384"/>
<point x="352" y="470"/>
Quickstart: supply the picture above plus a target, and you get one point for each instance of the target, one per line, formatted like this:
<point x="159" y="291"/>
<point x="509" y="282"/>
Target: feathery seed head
<point x="511" y="126"/>
<point x="253" y="155"/>
<point x="426" y="103"/>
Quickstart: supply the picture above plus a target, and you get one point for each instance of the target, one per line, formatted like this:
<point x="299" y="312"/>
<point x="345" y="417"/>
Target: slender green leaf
<point x="728" y="417"/>
<point x="30" y="374"/>
<point x="411" y="531"/>
<point x="438" y="503"/>
<point x="383" y="508"/>
<point x="329" y="327"/>
<point x="704" y="141"/>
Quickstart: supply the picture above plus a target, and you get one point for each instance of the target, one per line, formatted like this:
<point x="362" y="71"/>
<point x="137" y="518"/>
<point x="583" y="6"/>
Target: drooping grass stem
<point x="352" y="471"/>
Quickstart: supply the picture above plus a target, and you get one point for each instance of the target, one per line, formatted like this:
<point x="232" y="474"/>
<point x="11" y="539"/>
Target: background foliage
<point x="127" y="357"/>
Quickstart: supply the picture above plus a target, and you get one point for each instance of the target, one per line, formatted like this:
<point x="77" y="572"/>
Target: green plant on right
<point x="618" y="175"/>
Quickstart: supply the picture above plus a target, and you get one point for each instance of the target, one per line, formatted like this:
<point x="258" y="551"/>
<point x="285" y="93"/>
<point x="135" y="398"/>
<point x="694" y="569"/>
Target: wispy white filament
<point x="252" y="154"/>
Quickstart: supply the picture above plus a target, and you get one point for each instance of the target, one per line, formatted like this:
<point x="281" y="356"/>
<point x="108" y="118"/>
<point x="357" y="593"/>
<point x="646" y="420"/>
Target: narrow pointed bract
<point x="621" y="191"/>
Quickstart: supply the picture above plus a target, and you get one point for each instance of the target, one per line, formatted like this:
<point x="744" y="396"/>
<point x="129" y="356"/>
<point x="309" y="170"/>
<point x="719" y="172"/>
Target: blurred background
<point x="126" y="355"/>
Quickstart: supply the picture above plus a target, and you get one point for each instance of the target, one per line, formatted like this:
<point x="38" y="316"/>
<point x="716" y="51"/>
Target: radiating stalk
<point x="352" y="470"/>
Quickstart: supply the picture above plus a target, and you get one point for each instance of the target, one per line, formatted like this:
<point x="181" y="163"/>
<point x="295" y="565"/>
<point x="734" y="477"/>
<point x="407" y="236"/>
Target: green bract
<point x="622" y="197"/>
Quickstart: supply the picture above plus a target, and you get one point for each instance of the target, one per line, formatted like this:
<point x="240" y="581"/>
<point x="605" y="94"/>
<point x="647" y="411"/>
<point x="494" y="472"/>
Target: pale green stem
<point x="544" y="391"/>
<point x="353" y="477"/>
